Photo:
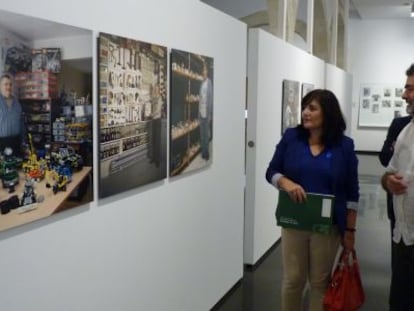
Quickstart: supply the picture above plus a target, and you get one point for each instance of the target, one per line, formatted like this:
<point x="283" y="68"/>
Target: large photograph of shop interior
<point x="191" y="122"/>
<point x="132" y="113"/>
<point x="45" y="120"/>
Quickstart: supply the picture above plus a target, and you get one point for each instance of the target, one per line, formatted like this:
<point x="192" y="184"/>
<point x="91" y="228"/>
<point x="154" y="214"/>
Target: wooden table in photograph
<point x="50" y="205"/>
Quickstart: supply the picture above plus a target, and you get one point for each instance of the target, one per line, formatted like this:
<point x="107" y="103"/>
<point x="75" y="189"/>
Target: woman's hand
<point x="295" y="191"/>
<point x="348" y="241"/>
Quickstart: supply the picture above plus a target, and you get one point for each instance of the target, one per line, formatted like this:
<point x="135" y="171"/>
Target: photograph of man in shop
<point x="155" y="130"/>
<point x="398" y="179"/>
<point x="205" y="111"/>
<point x="11" y="119"/>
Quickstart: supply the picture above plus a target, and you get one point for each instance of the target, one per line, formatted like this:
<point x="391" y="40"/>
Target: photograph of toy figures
<point x="45" y="136"/>
<point x="132" y="114"/>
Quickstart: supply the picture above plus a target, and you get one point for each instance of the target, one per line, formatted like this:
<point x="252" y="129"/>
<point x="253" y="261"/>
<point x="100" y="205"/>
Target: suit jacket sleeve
<point x="394" y="130"/>
<point x="277" y="162"/>
<point x="352" y="196"/>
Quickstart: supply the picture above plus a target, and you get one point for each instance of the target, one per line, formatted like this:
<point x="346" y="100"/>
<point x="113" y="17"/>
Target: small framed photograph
<point x="290" y="104"/>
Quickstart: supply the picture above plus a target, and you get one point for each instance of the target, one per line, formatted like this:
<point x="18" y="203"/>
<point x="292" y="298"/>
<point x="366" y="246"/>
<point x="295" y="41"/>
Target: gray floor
<point x="259" y="289"/>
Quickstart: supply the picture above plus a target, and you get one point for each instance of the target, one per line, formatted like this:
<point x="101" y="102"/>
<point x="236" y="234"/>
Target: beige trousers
<point x="307" y="256"/>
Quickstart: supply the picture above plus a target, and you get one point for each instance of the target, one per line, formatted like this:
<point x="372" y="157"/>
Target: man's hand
<point x="394" y="183"/>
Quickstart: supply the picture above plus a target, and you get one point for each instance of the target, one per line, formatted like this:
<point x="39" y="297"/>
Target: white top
<point x="205" y="94"/>
<point x="402" y="162"/>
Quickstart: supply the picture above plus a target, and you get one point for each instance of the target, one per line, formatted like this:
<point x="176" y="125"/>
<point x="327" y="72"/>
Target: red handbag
<point x="345" y="291"/>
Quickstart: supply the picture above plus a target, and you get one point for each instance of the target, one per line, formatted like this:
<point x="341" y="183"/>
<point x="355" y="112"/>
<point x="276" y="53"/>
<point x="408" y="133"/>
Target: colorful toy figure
<point x="69" y="157"/>
<point x="29" y="195"/>
<point x="60" y="184"/>
<point x="33" y="167"/>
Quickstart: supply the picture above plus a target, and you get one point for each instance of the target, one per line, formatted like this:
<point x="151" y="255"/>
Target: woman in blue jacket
<point x="317" y="157"/>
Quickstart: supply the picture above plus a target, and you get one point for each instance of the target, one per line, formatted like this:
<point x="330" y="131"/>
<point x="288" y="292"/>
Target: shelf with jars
<point x="116" y="140"/>
<point x="186" y="78"/>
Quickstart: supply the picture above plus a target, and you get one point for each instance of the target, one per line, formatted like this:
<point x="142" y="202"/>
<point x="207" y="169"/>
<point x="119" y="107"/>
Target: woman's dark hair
<point x="333" y="125"/>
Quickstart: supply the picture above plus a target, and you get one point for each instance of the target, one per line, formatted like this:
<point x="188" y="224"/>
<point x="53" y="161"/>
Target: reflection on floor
<point x="260" y="288"/>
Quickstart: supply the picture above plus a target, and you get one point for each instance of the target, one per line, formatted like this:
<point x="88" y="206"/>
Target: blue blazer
<point x="345" y="185"/>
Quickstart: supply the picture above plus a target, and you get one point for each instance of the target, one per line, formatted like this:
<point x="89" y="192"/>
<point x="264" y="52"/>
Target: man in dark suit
<point x="397" y="180"/>
<point x="388" y="150"/>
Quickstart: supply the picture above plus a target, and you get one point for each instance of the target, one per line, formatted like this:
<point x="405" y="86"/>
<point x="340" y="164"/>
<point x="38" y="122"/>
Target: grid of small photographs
<point x="132" y="113"/>
<point x="379" y="104"/>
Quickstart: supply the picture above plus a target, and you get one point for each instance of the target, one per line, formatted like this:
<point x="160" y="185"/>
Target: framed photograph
<point x="191" y="122"/>
<point x="398" y="103"/>
<point x="379" y="104"/>
<point x="132" y="113"/>
<point x="46" y="156"/>
<point x="46" y="59"/>
<point x="290" y="104"/>
<point x="306" y="88"/>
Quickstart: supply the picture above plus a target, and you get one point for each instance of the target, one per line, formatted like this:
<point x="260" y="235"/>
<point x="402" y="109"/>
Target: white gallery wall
<point x="340" y="82"/>
<point x="172" y="245"/>
<point x="379" y="52"/>
<point x="270" y="61"/>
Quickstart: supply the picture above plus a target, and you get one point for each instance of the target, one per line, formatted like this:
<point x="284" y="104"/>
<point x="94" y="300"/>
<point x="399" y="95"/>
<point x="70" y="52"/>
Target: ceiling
<point x="380" y="9"/>
<point x="361" y="9"/>
<point x="31" y="29"/>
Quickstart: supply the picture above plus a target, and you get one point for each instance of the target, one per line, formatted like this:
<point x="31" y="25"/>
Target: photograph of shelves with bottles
<point x="52" y="168"/>
<point x="132" y="113"/>
<point x="191" y="112"/>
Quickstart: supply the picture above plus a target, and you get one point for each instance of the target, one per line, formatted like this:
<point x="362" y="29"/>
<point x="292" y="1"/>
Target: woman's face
<point x="312" y="116"/>
<point x="6" y="87"/>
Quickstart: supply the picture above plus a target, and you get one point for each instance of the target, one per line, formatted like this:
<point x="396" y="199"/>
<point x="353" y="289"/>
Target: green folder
<point x="315" y="214"/>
